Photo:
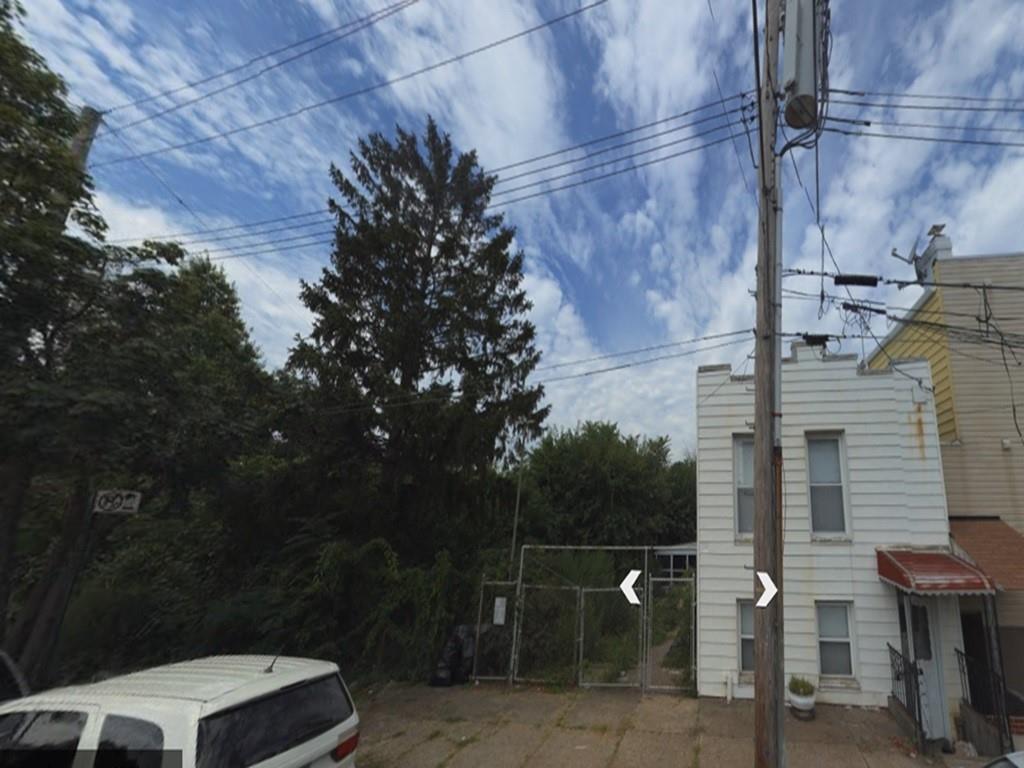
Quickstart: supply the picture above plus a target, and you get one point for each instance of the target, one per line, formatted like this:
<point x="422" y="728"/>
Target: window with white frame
<point x="745" y="625"/>
<point x="835" y="647"/>
<point x="825" y="472"/>
<point x="743" y="471"/>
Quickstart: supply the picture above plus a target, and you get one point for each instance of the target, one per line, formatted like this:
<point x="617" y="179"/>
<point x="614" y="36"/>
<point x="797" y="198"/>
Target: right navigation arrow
<point x="770" y="590"/>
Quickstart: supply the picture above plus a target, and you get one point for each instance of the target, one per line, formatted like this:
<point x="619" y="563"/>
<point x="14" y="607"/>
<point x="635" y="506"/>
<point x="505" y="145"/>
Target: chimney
<point x="940" y="247"/>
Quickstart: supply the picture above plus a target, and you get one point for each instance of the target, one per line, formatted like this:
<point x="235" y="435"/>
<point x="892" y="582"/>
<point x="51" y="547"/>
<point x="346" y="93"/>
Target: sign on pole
<point x="499" y="611"/>
<point x="116" y="502"/>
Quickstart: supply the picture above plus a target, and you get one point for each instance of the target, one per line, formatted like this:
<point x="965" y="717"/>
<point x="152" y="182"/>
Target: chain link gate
<point x="567" y="622"/>
<point x="492" y="652"/>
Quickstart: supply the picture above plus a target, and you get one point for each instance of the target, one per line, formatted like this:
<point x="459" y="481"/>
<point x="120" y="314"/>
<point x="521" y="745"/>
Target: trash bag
<point x="455" y="664"/>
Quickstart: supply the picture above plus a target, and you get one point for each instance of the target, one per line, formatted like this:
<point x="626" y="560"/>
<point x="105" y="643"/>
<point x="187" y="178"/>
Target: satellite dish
<point x="913" y="251"/>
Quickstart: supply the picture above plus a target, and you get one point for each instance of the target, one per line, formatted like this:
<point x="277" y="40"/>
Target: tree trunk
<point x="15" y="478"/>
<point x="35" y="633"/>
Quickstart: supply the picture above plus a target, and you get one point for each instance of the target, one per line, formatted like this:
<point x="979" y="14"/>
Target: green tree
<point x="49" y="280"/>
<point x="593" y="485"/>
<point x="421" y="347"/>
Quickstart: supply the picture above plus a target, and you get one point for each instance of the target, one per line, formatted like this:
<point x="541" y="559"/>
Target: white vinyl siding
<point x="743" y="470"/>
<point x="745" y="634"/>
<point x="893" y="495"/>
<point x="835" y="642"/>
<point x="825" y="477"/>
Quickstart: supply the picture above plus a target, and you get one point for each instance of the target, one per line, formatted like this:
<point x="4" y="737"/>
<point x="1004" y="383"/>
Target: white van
<point x="222" y="711"/>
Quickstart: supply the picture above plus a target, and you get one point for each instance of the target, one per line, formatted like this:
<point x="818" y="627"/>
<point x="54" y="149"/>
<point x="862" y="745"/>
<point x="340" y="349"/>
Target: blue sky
<point x="653" y="256"/>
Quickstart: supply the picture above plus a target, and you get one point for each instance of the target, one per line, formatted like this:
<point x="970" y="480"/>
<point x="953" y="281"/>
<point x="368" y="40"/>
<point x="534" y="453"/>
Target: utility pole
<point x="81" y="143"/>
<point x="768" y="630"/>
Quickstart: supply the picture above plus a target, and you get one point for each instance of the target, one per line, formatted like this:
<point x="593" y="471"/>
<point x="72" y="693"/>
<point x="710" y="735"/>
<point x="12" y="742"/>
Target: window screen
<point x="826" y="481"/>
<point x="834" y="647"/>
<point x="743" y="457"/>
<point x="268" y="726"/>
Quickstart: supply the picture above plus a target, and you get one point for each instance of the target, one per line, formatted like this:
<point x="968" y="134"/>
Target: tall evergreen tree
<point x="420" y="337"/>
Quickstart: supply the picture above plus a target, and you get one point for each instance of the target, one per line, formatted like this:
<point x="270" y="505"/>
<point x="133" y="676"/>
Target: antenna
<point x="270" y="667"/>
<point x="913" y="251"/>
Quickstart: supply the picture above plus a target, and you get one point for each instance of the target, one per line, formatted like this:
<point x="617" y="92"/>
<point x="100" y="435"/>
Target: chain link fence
<point x="565" y="621"/>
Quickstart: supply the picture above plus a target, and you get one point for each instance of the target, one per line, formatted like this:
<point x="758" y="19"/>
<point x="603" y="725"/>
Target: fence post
<point x="479" y="618"/>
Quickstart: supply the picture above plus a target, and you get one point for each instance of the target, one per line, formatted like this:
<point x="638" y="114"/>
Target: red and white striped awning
<point x="931" y="572"/>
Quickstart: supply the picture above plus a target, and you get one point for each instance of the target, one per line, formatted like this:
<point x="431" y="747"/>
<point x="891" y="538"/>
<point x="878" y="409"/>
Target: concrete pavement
<point x="489" y="725"/>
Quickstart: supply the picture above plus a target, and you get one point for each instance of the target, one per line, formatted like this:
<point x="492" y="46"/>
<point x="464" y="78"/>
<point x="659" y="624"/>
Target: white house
<point x="866" y="537"/>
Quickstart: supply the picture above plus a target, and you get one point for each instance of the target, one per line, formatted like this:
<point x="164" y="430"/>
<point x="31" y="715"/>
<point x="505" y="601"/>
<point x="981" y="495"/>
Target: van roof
<point x="215" y="682"/>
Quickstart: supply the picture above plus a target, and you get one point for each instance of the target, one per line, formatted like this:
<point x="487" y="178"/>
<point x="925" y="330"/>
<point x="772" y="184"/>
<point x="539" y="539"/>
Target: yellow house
<point x="969" y="325"/>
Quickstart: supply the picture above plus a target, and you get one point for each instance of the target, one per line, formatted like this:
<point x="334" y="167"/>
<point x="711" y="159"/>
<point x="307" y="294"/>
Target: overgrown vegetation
<point x="343" y="507"/>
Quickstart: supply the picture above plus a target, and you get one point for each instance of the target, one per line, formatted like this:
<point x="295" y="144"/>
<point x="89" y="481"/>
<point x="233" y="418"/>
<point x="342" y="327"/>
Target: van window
<point x="259" y="729"/>
<point x="55" y="731"/>
<point x="129" y="742"/>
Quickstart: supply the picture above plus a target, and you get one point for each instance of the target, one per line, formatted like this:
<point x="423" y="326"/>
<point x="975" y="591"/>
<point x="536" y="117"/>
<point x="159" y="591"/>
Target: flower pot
<point x="802" y="706"/>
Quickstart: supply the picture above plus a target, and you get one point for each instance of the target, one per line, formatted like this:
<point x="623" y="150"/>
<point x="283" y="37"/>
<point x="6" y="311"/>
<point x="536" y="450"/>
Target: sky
<point x="655" y="255"/>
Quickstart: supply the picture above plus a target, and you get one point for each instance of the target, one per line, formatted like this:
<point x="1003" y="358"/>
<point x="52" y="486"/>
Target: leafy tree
<point x="48" y="278"/>
<point x="420" y="348"/>
<point x="593" y="485"/>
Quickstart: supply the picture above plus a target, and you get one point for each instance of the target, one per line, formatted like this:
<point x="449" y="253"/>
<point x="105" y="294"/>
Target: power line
<point x="519" y="163"/>
<point x="540" y="193"/>
<point x="617" y="134"/>
<point x="925" y="107"/>
<point x="358" y="92"/>
<point x="413" y="399"/>
<point x="638" y="350"/>
<point x="931" y="139"/>
<point x="937" y="126"/>
<point x="872" y="281"/>
<point x="249" y="63"/>
<point x="925" y="96"/>
<point x="523" y="174"/>
<point x="354" y="27"/>
<point x="614" y="160"/>
<point x="181" y="201"/>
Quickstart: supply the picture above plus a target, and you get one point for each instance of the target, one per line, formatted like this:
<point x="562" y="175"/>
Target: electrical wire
<point x="937" y="126"/>
<point x="794" y="271"/>
<point x="240" y="67"/>
<point x="519" y="163"/>
<point x="424" y="399"/>
<point x="638" y="350"/>
<point x="181" y="201"/>
<point x="925" y="107"/>
<point x="359" y="91"/>
<point x="501" y="204"/>
<point x="931" y="139"/>
<point x="356" y="26"/>
<point x="932" y="97"/>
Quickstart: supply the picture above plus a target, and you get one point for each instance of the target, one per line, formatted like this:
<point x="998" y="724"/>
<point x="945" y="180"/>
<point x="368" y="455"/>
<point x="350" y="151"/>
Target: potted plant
<point x="801" y="697"/>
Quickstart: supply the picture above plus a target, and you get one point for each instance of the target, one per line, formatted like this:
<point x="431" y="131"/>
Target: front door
<point x="924" y="649"/>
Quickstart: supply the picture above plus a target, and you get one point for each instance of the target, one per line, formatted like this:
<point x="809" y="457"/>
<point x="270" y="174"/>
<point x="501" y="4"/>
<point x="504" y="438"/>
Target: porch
<point x="934" y="683"/>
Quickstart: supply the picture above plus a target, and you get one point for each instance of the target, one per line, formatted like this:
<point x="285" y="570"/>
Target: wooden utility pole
<point x="768" y="632"/>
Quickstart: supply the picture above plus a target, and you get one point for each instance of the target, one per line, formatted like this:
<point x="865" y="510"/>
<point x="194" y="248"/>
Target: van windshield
<point x="259" y="729"/>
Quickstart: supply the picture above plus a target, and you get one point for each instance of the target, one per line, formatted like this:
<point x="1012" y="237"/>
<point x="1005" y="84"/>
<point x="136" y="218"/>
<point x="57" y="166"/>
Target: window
<point x="56" y="732"/>
<point x="128" y="742"/>
<point x="835" y="653"/>
<point x="743" y="471"/>
<point x="746" y="635"/>
<point x="826" y="480"/>
<point x="257" y="730"/>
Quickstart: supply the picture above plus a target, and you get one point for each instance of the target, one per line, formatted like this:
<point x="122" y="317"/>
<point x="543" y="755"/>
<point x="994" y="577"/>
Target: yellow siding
<point x="916" y="341"/>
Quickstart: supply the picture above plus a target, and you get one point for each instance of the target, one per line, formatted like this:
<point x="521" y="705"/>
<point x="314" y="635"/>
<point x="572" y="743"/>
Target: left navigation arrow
<point x="627" y="587"/>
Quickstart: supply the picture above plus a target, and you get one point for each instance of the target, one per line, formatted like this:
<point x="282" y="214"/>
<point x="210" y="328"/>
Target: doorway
<point x="920" y="640"/>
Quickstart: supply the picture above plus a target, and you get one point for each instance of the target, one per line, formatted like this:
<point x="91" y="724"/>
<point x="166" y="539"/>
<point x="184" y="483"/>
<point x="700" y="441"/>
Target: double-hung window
<point x="743" y="473"/>
<point x="745" y="625"/>
<point x="835" y="647"/>
<point x="825" y="471"/>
